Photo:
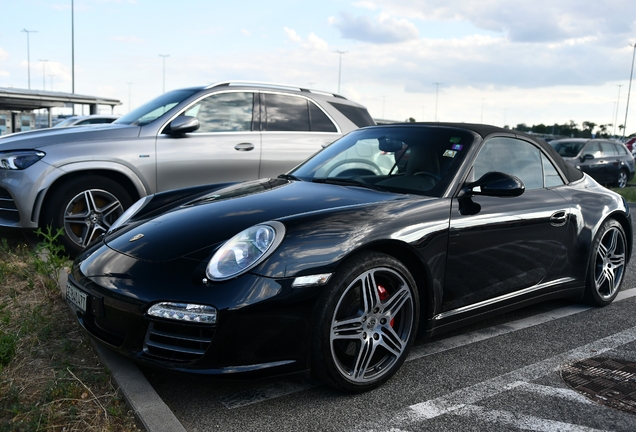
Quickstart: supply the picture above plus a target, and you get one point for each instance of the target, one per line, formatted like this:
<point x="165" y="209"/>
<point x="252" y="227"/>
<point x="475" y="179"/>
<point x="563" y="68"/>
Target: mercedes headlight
<point x="245" y="250"/>
<point x="19" y="159"/>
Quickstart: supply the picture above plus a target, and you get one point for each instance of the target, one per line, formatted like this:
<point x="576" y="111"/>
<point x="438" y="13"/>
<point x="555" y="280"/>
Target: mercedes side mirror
<point x="183" y="125"/>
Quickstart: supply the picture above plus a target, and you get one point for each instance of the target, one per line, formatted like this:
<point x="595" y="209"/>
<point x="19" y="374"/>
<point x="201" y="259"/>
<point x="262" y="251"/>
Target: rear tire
<point x="607" y="264"/>
<point x="621" y="181"/>
<point x="365" y="324"/>
<point x="84" y="208"/>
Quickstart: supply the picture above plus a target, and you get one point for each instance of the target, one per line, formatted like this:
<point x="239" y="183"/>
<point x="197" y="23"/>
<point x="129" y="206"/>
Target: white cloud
<point x="246" y="32"/>
<point x="383" y="30"/>
<point x="292" y="35"/>
<point x="3" y="55"/>
<point x="312" y="42"/>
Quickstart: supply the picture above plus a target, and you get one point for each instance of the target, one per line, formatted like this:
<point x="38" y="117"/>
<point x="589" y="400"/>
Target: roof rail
<point x="272" y="86"/>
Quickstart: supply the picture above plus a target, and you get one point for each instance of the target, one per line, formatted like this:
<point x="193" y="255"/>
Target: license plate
<point x="76" y="297"/>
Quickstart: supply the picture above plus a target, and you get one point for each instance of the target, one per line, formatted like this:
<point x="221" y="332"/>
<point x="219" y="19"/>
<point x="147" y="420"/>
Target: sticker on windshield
<point x="455" y="140"/>
<point x="450" y="153"/>
<point x="457" y="147"/>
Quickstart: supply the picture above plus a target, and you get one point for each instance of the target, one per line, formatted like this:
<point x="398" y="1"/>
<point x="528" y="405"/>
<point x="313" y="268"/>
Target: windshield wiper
<point x="344" y="181"/>
<point x="289" y="177"/>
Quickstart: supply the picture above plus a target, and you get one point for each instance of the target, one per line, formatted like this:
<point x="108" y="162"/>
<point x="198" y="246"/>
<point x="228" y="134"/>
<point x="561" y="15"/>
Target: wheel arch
<point x="625" y="222"/>
<point x="117" y="176"/>
<point x="418" y="269"/>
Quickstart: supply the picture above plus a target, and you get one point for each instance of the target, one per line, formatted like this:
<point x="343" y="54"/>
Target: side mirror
<point x="182" y="125"/>
<point x="496" y="184"/>
<point x="586" y="156"/>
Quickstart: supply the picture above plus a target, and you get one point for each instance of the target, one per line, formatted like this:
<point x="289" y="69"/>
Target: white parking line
<point x="284" y="388"/>
<point x="471" y="395"/>
<point x="562" y="393"/>
<point x="520" y="421"/>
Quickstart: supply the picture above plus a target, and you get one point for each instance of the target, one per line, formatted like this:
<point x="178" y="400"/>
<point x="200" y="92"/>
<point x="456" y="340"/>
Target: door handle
<point x="559" y="218"/>
<point x="244" y="147"/>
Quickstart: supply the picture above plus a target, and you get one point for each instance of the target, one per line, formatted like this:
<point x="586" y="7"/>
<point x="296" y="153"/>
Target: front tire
<point x="84" y="208"/>
<point x="366" y="323"/>
<point x="607" y="264"/>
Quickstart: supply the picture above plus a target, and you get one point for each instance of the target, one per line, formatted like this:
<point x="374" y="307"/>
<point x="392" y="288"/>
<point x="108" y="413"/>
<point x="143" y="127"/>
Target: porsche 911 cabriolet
<point x="389" y="232"/>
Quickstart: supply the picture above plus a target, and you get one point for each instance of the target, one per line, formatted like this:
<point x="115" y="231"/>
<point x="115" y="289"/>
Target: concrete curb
<point x="148" y="407"/>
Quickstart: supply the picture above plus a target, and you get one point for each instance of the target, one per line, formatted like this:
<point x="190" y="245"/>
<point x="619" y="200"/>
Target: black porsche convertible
<point x="335" y="267"/>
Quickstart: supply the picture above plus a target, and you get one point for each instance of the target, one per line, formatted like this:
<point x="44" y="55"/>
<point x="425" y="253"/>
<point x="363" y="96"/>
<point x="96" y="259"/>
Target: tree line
<point x="572" y="129"/>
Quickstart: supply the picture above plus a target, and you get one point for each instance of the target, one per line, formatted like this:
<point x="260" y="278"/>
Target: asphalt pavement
<point x="464" y="403"/>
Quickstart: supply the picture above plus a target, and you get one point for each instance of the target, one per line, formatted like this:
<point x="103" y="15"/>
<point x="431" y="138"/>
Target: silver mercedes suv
<point x="82" y="179"/>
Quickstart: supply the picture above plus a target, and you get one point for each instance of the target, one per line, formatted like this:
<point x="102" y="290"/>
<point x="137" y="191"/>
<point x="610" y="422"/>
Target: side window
<point x="608" y="149"/>
<point x="319" y="120"/>
<point x="622" y="150"/>
<point x="224" y="112"/>
<point x="551" y="176"/>
<point x="594" y="149"/>
<point x="511" y="156"/>
<point x="286" y="113"/>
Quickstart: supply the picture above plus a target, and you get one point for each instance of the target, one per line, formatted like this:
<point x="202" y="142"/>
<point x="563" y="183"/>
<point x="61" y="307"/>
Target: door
<point x="500" y="245"/>
<point x="226" y="147"/>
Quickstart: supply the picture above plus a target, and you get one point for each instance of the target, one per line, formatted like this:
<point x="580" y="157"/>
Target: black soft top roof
<point x="572" y="174"/>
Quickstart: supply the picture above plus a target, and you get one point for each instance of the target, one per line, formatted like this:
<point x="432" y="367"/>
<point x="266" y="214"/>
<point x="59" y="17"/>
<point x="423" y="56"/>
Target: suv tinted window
<point x="358" y="116"/>
<point x="286" y="113"/>
<point x="224" y="112"/>
<point x="319" y="120"/>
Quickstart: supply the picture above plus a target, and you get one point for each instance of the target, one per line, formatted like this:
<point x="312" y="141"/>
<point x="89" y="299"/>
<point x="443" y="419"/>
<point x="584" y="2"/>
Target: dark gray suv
<point x="83" y="179"/>
<point x="607" y="162"/>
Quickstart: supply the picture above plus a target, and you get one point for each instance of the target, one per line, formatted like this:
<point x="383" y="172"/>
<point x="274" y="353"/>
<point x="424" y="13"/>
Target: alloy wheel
<point x="372" y="325"/>
<point x="89" y="214"/>
<point x="609" y="263"/>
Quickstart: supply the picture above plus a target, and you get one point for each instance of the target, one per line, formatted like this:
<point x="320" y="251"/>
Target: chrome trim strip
<point x="492" y="301"/>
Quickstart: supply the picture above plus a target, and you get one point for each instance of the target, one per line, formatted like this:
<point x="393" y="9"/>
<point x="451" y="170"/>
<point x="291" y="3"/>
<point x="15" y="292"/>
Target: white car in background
<point x="87" y="120"/>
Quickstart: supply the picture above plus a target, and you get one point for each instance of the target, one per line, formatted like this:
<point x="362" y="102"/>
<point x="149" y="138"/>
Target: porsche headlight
<point x="245" y="250"/>
<point x="19" y="159"/>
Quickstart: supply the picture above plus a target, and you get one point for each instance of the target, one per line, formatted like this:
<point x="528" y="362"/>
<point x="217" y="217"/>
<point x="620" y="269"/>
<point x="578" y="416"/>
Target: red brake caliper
<point x="384" y="294"/>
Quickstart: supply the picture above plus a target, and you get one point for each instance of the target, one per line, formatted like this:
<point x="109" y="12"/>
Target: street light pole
<point x="164" y="70"/>
<point x="618" y="100"/>
<point x="629" y="90"/>
<point x="436" y="97"/>
<point x="29" y="54"/>
<point x="43" y="73"/>
<point x="340" y="53"/>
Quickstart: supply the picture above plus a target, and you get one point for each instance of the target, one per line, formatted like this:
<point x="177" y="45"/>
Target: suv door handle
<point x="244" y="147"/>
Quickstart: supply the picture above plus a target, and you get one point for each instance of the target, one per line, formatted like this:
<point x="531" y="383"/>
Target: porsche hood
<point x="214" y="218"/>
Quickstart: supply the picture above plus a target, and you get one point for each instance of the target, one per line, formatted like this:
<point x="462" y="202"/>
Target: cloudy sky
<point x="492" y="61"/>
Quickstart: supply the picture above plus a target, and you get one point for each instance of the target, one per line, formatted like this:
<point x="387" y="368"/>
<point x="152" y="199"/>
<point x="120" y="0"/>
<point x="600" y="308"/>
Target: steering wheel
<point x="429" y="175"/>
<point x="374" y="169"/>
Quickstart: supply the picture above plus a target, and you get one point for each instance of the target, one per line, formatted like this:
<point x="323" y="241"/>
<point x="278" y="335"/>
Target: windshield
<point x="155" y="108"/>
<point x="568" y="148"/>
<point x="407" y="159"/>
<point x="66" y="122"/>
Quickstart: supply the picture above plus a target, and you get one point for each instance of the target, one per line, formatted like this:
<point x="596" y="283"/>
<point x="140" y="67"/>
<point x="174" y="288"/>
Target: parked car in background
<point x="335" y="266"/>
<point x="82" y="179"/>
<point x="608" y="162"/>
<point x="630" y="144"/>
<point x="87" y="120"/>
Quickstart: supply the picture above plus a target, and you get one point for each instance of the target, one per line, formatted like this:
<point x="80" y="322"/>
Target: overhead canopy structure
<point x="27" y="100"/>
